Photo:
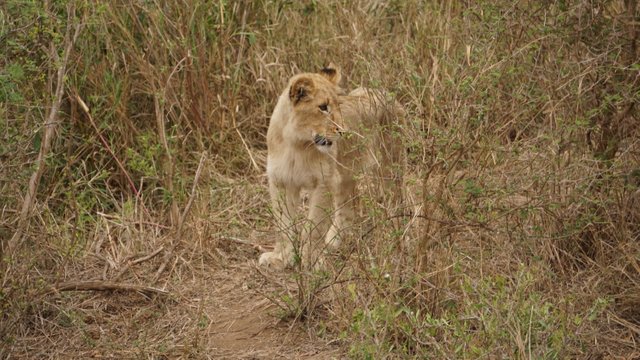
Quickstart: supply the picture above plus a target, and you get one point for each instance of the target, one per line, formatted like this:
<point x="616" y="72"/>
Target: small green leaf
<point x="37" y="142"/>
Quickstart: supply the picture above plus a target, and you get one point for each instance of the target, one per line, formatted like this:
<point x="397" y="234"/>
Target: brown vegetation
<point x="134" y="202"/>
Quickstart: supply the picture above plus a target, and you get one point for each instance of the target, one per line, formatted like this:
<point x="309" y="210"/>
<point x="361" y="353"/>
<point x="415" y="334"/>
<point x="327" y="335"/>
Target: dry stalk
<point x="168" y="165"/>
<point x="49" y="126"/>
<point x="185" y="212"/>
<point x="85" y="108"/>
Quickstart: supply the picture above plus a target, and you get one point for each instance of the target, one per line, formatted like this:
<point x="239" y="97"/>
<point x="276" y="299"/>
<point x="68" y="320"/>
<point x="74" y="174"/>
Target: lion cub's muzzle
<point x="321" y="140"/>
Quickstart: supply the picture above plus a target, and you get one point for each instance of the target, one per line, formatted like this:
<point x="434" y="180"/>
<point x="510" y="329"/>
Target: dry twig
<point x="105" y="286"/>
<point x="243" y="242"/>
<point x="137" y="261"/>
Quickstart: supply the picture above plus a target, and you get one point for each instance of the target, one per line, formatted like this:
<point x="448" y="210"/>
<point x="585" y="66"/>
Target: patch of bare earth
<point x="245" y="323"/>
<point x="214" y="309"/>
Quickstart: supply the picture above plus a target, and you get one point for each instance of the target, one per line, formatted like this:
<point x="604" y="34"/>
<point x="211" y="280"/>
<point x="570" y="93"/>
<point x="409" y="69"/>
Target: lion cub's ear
<point x="332" y="72"/>
<point x="301" y="89"/>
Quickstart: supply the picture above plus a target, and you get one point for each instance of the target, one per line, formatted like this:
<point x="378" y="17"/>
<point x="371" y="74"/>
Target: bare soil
<point x="247" y="326"/>
<point x="217" y="308"/>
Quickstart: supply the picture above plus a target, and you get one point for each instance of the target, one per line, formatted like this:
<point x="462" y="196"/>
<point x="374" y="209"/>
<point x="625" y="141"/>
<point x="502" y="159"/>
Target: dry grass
<point x="518" y="237"/>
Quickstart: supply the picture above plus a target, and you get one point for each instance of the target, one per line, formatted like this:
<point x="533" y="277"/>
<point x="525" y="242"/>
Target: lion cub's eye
<point x="324" y="107"/>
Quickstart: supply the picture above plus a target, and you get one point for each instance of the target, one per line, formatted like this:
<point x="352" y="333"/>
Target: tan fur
<point x="359" y="127"/>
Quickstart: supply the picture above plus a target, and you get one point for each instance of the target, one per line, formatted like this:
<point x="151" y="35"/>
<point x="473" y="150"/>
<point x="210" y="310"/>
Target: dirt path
<point x="246" y="324"/>
<point x="214" y="310"/>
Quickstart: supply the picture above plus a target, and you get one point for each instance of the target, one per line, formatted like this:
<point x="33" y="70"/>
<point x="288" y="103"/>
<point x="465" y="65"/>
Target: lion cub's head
<point x="314" y="98"/>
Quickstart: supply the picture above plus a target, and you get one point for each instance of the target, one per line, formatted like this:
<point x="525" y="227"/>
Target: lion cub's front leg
<point x="285" y="202"/>
<point x="307" y="233"/>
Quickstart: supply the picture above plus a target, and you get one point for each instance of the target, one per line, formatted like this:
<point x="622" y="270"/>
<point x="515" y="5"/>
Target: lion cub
<point x="320" y="140"/>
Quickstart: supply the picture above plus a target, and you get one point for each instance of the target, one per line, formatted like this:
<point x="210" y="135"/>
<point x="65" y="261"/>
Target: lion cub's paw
<point x="271" y="259"/>
<point x="333" y="238"/>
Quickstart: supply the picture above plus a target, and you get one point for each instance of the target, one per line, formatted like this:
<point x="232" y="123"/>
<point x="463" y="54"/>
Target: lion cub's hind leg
<point x="344" y="198"/>
<point x="391" y="152"/>
<point x="316" y="227"/>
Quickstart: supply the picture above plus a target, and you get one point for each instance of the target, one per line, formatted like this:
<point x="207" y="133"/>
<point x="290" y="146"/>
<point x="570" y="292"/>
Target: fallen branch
<point x="145" y="258"/>
<point x="137" y="261"/>
<point x="105" y="286"/>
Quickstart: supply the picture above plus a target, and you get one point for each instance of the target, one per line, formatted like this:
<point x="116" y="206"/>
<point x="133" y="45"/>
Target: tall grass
<point x="519" y="235"/>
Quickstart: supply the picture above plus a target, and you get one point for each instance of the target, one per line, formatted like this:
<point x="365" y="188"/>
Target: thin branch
<point x="105" y="286"/>
<point x="243" y="242"/>
<point x="145" y="258"/>
<point x="185" y="212"/>
<point x="194" y="187"/>
<point x="246" y="147"/>
<point x="49" y="126"/>
<point x="168" y="164"/>
<point x="137" y="261"/>
<point x="85" y="108"/>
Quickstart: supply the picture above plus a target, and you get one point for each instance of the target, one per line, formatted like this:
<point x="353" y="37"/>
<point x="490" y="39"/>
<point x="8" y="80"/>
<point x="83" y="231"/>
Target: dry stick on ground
<point x="243" y="242"/>
<point x="137" y="261"/>
<point x="185" y="212"/>
<point x="49" y="130"/>
<point x="105" y="286"/>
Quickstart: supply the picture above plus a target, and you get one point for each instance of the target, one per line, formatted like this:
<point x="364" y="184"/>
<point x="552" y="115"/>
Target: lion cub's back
<point x="367" y="109"/>
<point x="373" y="119"/>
